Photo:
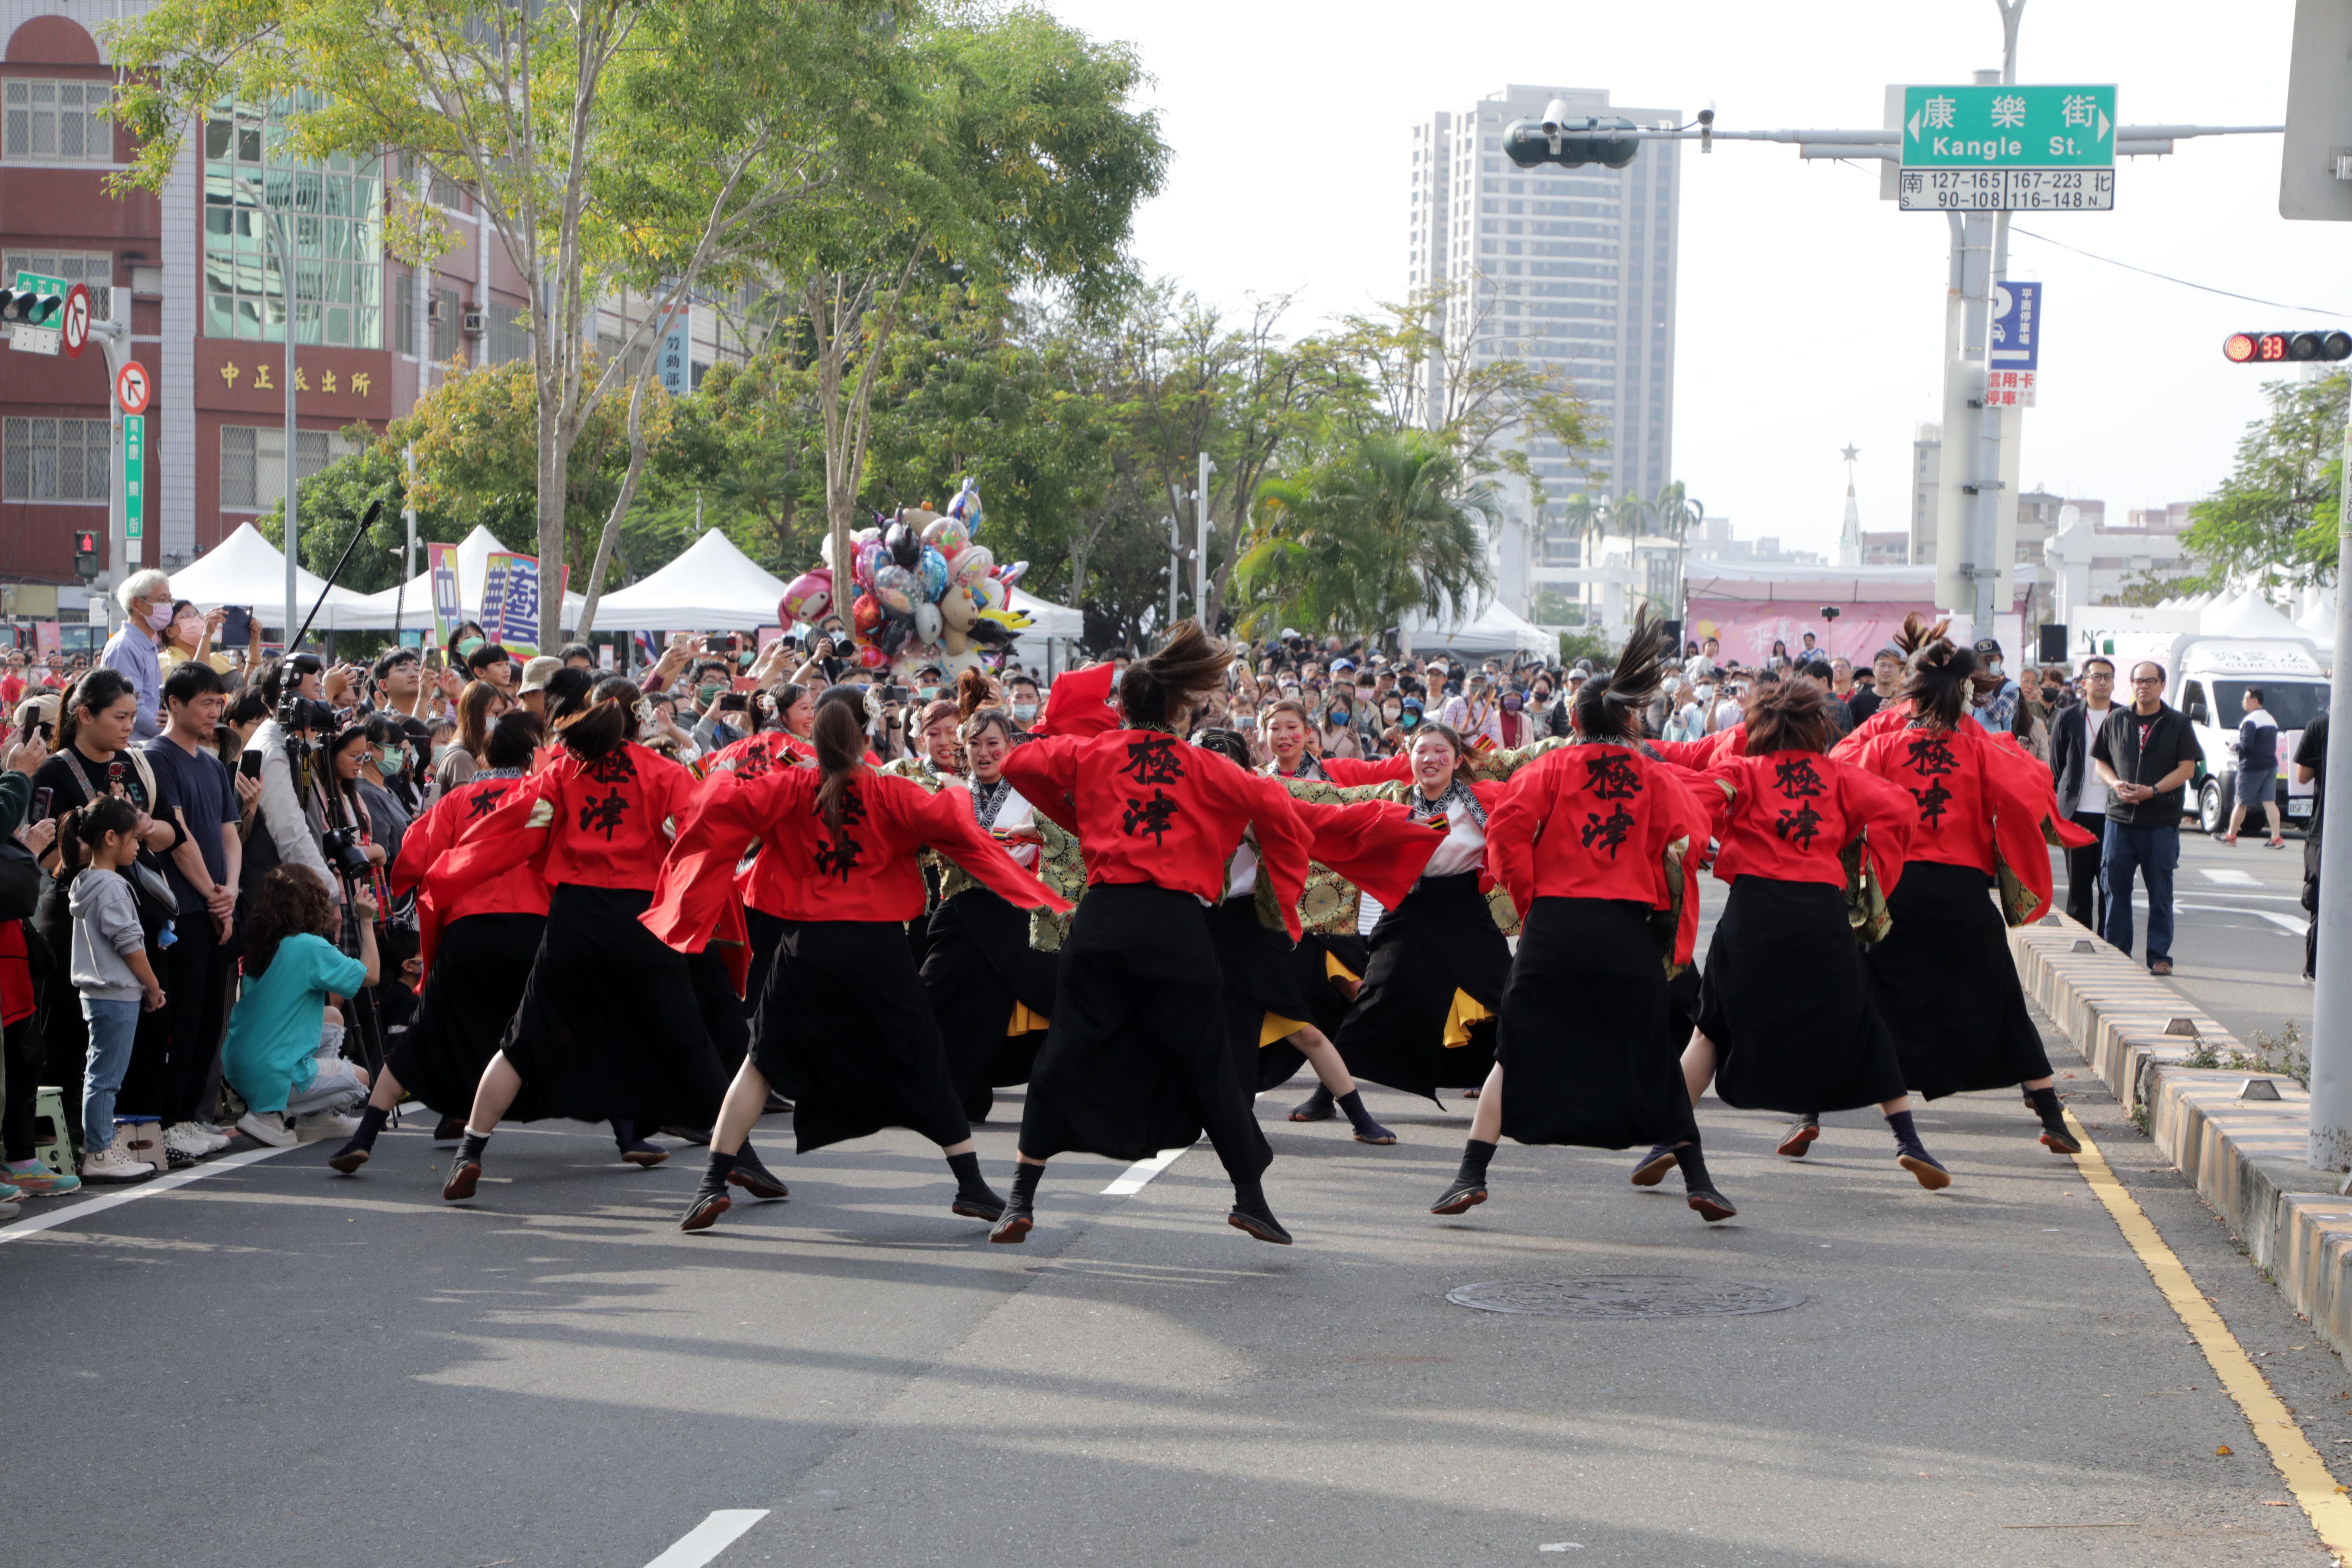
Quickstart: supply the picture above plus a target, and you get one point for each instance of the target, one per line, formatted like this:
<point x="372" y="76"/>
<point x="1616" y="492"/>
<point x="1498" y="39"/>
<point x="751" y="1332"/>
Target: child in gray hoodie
<point x="109" y="968"/>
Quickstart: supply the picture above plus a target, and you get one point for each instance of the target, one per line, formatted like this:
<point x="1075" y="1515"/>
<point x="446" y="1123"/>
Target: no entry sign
<point x="131" y="388"/>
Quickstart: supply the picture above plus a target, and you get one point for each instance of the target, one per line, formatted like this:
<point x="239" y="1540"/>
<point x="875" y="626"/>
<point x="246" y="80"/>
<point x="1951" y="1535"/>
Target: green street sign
<point x="134" y="475"/>
<point x="1977" y="127"/>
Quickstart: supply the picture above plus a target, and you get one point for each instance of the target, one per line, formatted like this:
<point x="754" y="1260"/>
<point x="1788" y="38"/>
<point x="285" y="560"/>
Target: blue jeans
<point x="112" y="1027"/>
<point x="2155" y="853"/>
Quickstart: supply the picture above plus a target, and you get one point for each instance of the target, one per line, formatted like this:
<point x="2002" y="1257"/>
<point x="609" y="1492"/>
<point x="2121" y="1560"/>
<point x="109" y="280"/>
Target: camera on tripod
<point x="343" y="851"/>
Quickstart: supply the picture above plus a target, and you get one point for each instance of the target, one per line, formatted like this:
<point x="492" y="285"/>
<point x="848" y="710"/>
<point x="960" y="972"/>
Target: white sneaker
<point x="184" y="1144"/>
<point x="267" y="1127"/>
<point x="114" y="1163"/>
<point x="213" y="1136"/>
<point x="314" y="1125"/>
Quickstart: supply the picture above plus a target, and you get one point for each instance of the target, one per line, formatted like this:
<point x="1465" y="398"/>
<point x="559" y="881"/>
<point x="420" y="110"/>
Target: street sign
<point x="135" y="477"/>
<point x="131" y="388"/>
<point x="26" y="338"/>
<point x="75" y="329"/>
<point x="2008" y="148"/>
<point x="2013" y="361"/>
<point x="676" y="368"/>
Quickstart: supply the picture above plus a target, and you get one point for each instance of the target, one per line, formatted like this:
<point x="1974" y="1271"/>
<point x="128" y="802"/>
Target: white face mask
<point x="1024" y="711"/>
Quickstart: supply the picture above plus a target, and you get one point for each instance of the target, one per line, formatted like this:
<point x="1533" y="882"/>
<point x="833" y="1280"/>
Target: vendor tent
<point x="2247" y="615"/>
<point x="246" y="569"/>
<point x="1491" y="629"/>
<point x="2318" y="623"/>
<point x="1046" y="619"/>
<point x="713" y="587"/>
<point x="412" y="602"/>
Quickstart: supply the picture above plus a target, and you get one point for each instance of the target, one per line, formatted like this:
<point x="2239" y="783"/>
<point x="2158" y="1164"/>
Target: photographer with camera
<point x="280" y="755"/>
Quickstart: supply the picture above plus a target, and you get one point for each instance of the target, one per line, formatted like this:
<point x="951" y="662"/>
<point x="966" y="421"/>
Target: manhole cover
<point x="1626" y="1296"/>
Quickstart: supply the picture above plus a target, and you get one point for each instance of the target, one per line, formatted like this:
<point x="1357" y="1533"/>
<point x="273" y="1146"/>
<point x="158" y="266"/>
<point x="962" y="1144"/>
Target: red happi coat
<point x="764" y="884"/>
<point x="866" y="872"/>
<point x="1079" y="705"/>
<point x="1602" y="821"/>
<point x="1148" y="807"/>
<point x="518" y="890"/>
<point x="1377" y="845"/>
<point x="1789" y="815"/>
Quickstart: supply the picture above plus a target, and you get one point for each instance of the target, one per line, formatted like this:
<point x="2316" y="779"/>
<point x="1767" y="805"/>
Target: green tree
<point x="744" y="450"/>
<point x="2275" y="515"/>
<point x="331" y="504"/>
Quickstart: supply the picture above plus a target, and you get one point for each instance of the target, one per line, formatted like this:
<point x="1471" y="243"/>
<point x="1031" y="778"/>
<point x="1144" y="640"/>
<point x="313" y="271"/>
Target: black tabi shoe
<point x="349" y="1158"/>
<point x="1373" y="1132"/>
<point x="1259" y="1223"/>
<point x="448" y="1130"/>
<point x="1711" y="1205"/>
<point x="1463" y="1196"/>
<point x="1015" y="1226"/>
<point x="463" y="1176"/>
<point x="756" y="1180"/>
<point x="981" y="1205"/>
<point x="707" y="1206"/>
<point x="777" y="1105"/>
<point x="1316" y="1107"/>
<point x="2058" y="1141"/>
<point x="1653" y="1166"/>
<point x="1800" y="1138"/>
<point x="637" y="1151"/>
<point x="1926" y="1167"/>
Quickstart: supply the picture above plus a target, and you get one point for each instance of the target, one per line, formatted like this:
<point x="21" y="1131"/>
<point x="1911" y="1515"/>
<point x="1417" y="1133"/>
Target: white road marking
<point x="146" y="1189"/>
<point x="1138" y="1176"/>
<point x="2283" y="922"/>
<point x="709" y="1539"/>
<point x="2229" y="878"/>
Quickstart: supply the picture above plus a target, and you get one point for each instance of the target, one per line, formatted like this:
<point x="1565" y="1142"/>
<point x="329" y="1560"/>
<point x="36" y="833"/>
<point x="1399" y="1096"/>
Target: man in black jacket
<point x="2146" y="755"/>
<point x="2081" y="796"/>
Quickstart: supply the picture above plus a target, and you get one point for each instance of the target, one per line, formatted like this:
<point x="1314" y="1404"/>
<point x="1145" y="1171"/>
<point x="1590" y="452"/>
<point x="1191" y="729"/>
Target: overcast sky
<point x="1811" y="313"/>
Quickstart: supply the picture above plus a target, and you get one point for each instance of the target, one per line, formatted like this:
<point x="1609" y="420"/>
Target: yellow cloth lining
<point x="1466" y="1010"/>
<point x="1277" y="1027"/>
<point x="1024" y="1022"/>
<point x="1335" y="970"/>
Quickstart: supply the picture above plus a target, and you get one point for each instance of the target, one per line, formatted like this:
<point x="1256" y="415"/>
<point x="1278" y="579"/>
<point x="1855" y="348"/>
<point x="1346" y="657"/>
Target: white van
<point x="2207" y="677"/>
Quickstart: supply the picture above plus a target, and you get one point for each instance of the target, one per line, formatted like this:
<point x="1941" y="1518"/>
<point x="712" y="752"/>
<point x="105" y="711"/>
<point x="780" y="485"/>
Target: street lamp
<point x="285" y="282"/>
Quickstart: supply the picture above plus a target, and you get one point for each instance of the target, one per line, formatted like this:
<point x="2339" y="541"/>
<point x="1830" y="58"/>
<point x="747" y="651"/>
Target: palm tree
<point x="1381" y="529"/>
<point x="1676" y="510"/>
<point x="1634" y="514"/>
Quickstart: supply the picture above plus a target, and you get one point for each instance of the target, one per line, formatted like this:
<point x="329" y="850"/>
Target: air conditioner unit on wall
<point x="474" y="322"/>
<point x="433" y="308"/>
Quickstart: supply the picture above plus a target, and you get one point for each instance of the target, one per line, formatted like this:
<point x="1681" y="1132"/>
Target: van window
<point x="2293" y="703"/>
<point x="2192" y="697"/>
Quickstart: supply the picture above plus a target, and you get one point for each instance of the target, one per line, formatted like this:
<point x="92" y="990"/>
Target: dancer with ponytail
<point x="991" y="990"/>
<point x="478" y="953"/>
<point x="844" y="1019"/>
<point x="1943" y="978"/>
<point x="1137" y="1059"/>
<point x="1786" y="1021"/>
<point x="611" y="1024"/>
<point x="1600" y="846"/>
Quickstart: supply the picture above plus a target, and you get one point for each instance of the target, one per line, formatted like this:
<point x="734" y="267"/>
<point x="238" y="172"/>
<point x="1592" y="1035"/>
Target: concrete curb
<point x="2245" y="1156"/>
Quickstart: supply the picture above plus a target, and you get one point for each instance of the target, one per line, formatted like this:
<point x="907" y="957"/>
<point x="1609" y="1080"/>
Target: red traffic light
<point x="86" y="544"/>
<point x="2274" y="348"/>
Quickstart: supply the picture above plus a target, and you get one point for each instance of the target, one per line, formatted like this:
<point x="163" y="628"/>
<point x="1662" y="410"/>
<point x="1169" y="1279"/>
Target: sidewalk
<point x="2245" y="1155"/>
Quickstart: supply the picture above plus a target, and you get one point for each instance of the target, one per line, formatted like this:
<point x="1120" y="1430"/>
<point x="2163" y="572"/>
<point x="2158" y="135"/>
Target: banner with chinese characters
<point x="2008" y="388"/>
<point x="441" y="563"/>
<point x="511" y="603"/>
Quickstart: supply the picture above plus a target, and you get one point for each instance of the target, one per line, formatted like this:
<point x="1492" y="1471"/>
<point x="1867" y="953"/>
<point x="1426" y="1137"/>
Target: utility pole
<point x="1201" y="546"/>
<point x="293" y="541"/>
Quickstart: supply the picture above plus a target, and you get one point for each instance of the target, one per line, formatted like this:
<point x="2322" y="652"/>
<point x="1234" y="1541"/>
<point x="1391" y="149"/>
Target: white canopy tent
<point x="2318" y="623"/>
<point x="2247" y="615"/>
<point x="712" y="587"/>
<point x="413" y="601"/>
<point x="246" y="569"/>
<point x="1046" y="619"/>
<point x="1490" y="629"/>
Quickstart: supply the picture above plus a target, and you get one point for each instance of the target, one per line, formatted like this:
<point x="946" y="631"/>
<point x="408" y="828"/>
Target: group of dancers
<point x="1118" y="911"/>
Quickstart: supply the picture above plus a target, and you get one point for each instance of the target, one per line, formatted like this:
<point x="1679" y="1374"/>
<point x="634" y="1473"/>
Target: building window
<point x="510" y="332"/>
<point x="403" y="315"/>
<point x="253" y="462"/>
<point x="60" y="121"/>
<point x="93" y="268"/>
<point x="332" y="217"/>
<point x="445" y="325"/>
<point x="55" y="460"/>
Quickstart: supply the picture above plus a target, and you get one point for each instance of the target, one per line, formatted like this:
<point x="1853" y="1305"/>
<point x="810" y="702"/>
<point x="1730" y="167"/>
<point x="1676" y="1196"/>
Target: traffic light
<point x="31" y="307"/>
<point x="2279" y="348"/>
<point x="1569" y="140"/>
<point x="86" y="554"/>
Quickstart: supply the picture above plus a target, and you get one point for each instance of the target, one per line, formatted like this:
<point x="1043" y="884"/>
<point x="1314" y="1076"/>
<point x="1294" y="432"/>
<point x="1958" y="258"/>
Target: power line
<point x="2166" y="277"/>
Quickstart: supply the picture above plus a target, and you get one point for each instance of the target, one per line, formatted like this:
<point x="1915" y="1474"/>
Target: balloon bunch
<point x="923" y="592"/>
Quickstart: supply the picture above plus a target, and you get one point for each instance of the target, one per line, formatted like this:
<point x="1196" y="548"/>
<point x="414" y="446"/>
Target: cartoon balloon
<point x="866" y="613"/>
<point x="1009" y="575"/>
<point x="870" y="656"/>
<point x="932" y="568"/>
<point x="966" y="504"/>
<point x="974" y="564"/>
<point x="927" y="623"/>
<point x="808" y="597"/>
<point x="948" y="536"/>
<point x="952" y="641"/>
<point x="906" y="546"/>
<point x="864" y="561"/>
<point x="959" y="608"/>
<point x="898" y="589"/>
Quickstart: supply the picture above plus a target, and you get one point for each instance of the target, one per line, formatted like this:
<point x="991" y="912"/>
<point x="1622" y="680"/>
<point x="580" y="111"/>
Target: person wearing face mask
<point x="1998" y="711"/>
<point x="1339" y="726"/>
<point x="1024" y="706"/>
<point x="386" y="760"/>
<point x="190" y="635"/>
<point x="134" y="651"/>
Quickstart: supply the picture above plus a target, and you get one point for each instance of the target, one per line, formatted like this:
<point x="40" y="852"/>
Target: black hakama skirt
<point x="977" y="965"/>
<point x="1441" y="940"/>
<point x="610" y="1025"/>
<point x="845" y="1022"/>
<point x="1140" y="1056"/>
<point x="470" y="997"/>
<point x="1786" y="1003"/>
<point x="1586" y="1042"/>
<point x="1946" y="984"/>
<point x="1261" y="977"/>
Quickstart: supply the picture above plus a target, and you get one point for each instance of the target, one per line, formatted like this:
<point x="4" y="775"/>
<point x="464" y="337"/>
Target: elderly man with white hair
<point x="135" y="650"/>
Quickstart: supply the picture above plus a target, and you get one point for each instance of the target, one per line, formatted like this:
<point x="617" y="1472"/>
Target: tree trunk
<point x="554" y="460"/>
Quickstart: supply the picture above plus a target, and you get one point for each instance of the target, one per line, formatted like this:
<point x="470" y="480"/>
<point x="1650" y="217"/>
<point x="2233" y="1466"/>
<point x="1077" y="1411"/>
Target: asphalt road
<point x="2239" y="932"/>
<point x="273" y="1364"/>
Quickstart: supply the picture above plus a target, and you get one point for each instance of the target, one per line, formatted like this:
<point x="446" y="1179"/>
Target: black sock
<point x="715" y="1174"/>
<point x="1250" y="1194"/>
<point x="623" y="1132"/>
<point x="1474" y="1155"/>
<point x="1352" y="1102"/>
<point x="1906" y="1137"/>
<point x="969" y="1182"/>
<point x="1694" y="1164"/>
<point x="2046" y="1106"/>
<point x="372" y="1119"/>
<point x="1025" y="1178"/>
<point x="469" y="1150"/>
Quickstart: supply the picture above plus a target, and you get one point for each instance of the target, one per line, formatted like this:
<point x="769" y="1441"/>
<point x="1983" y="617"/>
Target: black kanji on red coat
<point x="1930" y="757"/>
<point x="603" y="813"/>
<point x="1154" y="816"/>
<point x="1154" y="760"/>
<point x="1608" y="832"/>
<point x="1797" y="780"/>
<point x="837" y="857"/>
<point x="615" y="766"/>
<point x="484" y="802"/>
<point x="1611" y="776"/>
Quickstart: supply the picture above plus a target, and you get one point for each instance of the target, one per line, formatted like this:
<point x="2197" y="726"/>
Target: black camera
<point x="343" y="851"/>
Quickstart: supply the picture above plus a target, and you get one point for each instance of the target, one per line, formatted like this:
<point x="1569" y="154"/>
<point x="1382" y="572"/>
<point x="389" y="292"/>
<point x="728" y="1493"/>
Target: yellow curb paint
<point x="2298" y="1463"/>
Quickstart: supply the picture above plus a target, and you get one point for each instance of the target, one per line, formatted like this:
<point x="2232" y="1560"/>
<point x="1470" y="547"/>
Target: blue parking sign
<point x="2016" y="326"/>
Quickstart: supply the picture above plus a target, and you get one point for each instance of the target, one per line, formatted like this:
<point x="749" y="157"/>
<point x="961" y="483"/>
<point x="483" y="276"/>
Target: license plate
<point x="2298" y="808"/>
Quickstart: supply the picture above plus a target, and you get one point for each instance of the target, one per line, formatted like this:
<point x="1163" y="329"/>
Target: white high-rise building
<point x="1572" y="268"/>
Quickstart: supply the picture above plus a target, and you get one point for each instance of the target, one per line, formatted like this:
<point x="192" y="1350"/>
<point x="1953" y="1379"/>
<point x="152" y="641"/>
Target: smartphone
<point x="41" y="803"/>
<point x="249" y="765"/>
<point x="236" y="627"/>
